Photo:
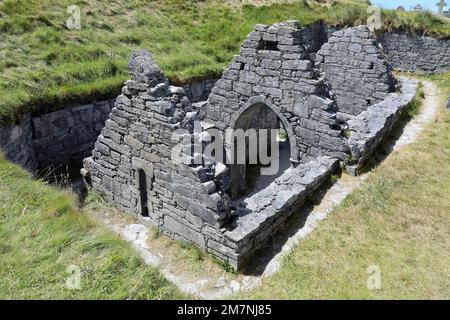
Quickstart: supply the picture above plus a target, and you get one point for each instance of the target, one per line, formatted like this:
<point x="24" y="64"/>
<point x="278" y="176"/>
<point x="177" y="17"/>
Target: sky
<point x="393" y="4"/>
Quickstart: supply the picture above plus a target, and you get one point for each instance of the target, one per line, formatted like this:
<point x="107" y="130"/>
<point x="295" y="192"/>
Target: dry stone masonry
<point x="407" y="52"/>
<point x="285" y="77"/>
<point x="275" y="69"/>
<point x="55" y="139"/>
<point x="68" y="135"/>
<point x="367" y="130"/>
<point x="356" y="70"/>
<point x="199" y="90"/>
<point x="16" y="142"/>
<point x="410" y="52"/>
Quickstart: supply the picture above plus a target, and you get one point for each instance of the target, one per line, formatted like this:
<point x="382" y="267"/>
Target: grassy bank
<point x="42" y="235"/>
<point x="398" y="221"/>
<point x="43" y="65"/>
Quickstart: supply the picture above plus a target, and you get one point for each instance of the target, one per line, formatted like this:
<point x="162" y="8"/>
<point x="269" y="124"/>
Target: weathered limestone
<point x="68" y="135"/>
<point x="55" y="138"/>
<point x="145" y="70"/>
<point x="16" y="142"/>
<point x="356" y="69"/>
<point x="414" y="53"/>
<point x="368" y="129"/>
<point x="132" y="161"/>
<point x="274" y="68"/>
<point x="199" y="90"/>
<point x="280" y="80"/>
<point x="260" y="215"/>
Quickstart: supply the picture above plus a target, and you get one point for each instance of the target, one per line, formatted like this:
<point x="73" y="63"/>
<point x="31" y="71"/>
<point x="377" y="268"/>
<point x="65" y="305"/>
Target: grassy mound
<point x="44" y="65"/>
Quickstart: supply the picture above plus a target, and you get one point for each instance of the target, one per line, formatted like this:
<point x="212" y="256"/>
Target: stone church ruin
<point x="332" y="95"/>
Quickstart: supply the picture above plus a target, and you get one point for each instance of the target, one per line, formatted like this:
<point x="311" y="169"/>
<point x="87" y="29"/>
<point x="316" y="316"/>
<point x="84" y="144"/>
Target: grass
<point x="44" y="66"/>
<point x="398" y="221"/>
<point x="43" y="235"/>
<point x="414" y="106"/>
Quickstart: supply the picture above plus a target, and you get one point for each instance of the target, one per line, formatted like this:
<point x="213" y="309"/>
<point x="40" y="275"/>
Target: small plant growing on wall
<point x="282" y="136"/>
<point x="347" y="133"/>
<point x="350" y="159"/>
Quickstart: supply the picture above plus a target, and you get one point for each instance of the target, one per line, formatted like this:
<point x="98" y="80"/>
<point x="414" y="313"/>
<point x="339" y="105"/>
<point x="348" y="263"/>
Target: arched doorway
<point x="261" y="118"/>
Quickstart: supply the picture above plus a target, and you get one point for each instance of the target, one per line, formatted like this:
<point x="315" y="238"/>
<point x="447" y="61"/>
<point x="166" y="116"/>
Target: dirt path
<point x="216" y="283"/>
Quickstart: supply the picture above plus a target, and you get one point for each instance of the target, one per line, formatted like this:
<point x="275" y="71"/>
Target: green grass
<point x="44" y="66"/>
<point x="442" y="79"/>
<point x="42" y="234"/>
<point x="398" y="220"/>
<point x="413" y="109"/>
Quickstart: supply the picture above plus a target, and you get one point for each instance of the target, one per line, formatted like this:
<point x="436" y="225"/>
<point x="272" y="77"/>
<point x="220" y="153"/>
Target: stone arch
<point x="260" y="100"/>
<point x="271" y="118"/>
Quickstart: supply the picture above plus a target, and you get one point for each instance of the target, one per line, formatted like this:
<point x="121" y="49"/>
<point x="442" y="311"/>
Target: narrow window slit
<point x="143" y="192"/>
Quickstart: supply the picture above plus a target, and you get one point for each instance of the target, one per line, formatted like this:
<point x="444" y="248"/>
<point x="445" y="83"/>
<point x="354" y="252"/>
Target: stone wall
<point x="371" y="127"/>
<point x="405" y="51"/>
<point x="285" y="76"/>
<point x="68" y="135"/>
<point x="263" y="213"/>
<point x="132" y="167"/>
<point x="16" y="142"/>
<point x="409" y="52"/>
<point x="55" y="139"/>
<point x="277" y="79"/>
<point x="274" y="68"/>
<point x="356" y="70"/>
<point x="58" y="138"/>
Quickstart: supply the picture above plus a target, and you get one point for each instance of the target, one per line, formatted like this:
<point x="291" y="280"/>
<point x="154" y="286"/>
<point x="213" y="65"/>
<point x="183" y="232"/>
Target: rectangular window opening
<point x="268" y="45"/>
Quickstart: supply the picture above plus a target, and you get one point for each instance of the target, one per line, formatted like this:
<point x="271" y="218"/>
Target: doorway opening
<point x="256" y="174"/>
